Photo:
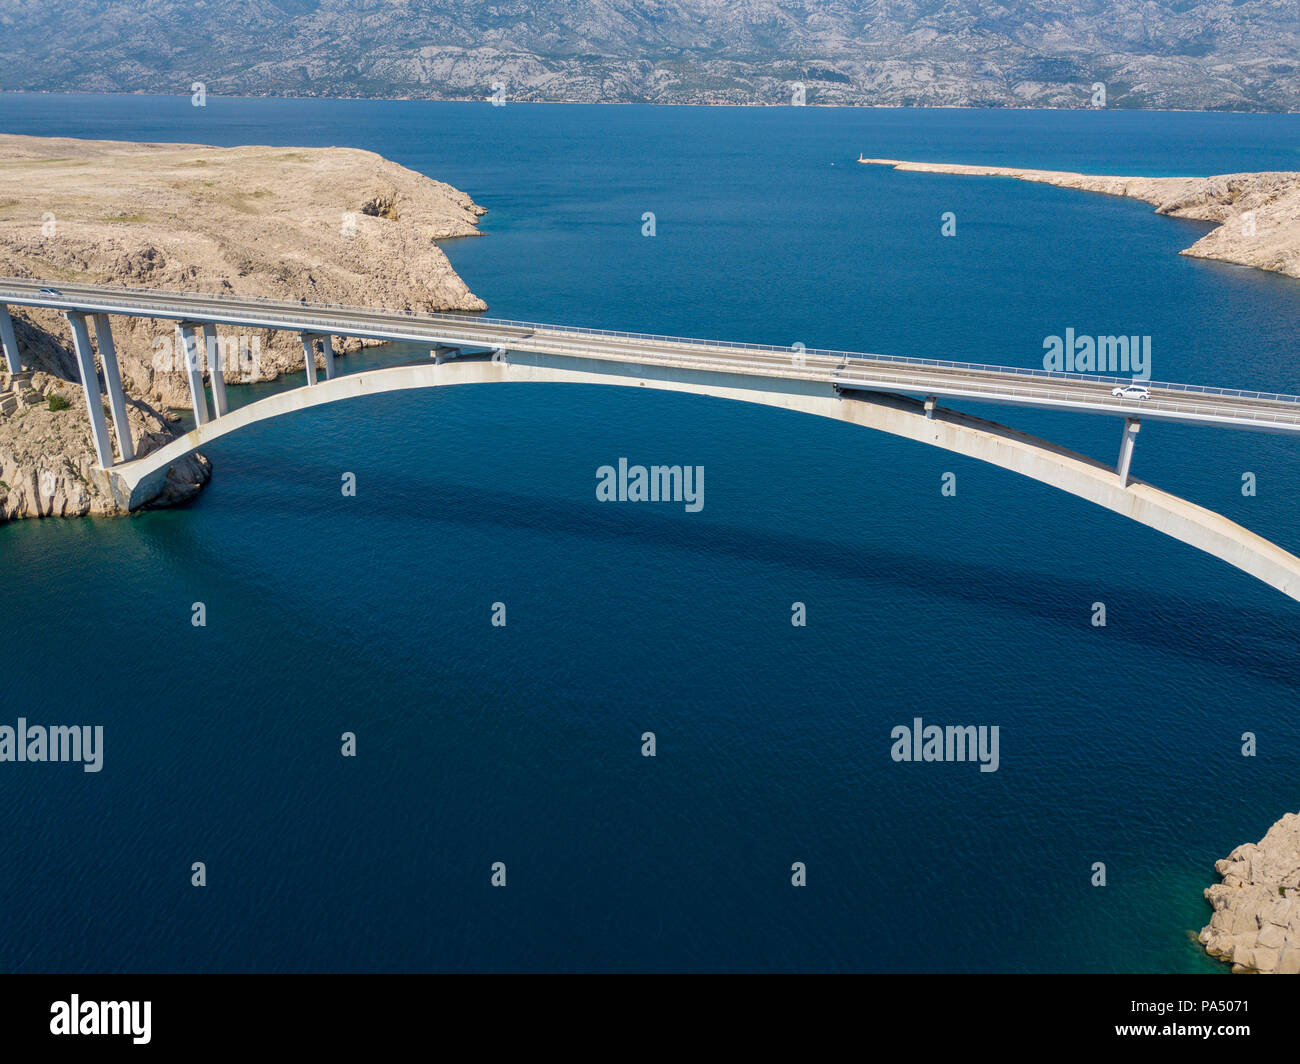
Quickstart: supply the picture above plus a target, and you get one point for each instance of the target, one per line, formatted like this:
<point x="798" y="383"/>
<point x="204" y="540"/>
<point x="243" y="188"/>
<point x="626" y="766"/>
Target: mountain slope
<point x="1158" y="53"/>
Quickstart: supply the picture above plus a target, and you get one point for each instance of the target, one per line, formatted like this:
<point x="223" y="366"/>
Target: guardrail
<point x="298" y="314"/>
<point x="1133" y="408"/>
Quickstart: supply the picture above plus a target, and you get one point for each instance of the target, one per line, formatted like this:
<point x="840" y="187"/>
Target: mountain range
<point x="1218" y="55"/>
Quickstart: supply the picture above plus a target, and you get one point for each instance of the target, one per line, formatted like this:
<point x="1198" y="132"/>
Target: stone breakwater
<point x="323" y="224"/>
<point x="1257" y="214"/>
<point x="1256" y="922"/>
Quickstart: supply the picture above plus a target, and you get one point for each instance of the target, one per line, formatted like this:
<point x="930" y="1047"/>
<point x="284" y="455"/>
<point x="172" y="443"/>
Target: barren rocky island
<point x="322" y="224"/>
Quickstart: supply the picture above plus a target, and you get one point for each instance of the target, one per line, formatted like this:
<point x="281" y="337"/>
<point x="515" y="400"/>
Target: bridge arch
<point x="135" y="483"/>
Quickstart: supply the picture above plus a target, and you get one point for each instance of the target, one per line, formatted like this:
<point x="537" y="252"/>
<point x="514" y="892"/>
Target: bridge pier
<point x="90" y="382"/>
<point x="929" y="407"/>
<point x="189" y="344"/>
<point x="327" y="347"/>
<point x="216" y="371"/>
<point x="7" y="338"/>
<point x="113" y="380"/>
<point x="1131" y="426"/>
<point x="309" y="355"/>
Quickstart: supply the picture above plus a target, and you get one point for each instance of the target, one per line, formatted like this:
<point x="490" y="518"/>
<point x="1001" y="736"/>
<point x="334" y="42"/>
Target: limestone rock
<point x="1256" y="921"/>
<point x="48" y="466"/>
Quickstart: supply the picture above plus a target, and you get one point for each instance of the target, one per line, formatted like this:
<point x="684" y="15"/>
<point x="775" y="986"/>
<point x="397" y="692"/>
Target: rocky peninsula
<point x="1256" y="922"/>
<point x="322" y="224"/>
<point x="1258" y="214"/>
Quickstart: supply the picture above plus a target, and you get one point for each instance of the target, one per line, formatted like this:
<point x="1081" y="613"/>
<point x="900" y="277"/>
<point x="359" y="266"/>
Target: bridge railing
<point x="299" y="314"/>
<point x="1015" y="385"/>
<point x="1134" y="409"/>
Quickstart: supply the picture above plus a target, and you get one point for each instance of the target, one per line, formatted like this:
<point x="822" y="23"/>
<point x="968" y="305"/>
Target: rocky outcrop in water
<point x="1256" y="922"/>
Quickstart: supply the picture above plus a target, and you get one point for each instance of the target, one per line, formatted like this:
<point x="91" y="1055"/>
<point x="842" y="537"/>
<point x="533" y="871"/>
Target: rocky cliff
<point x="1256" y="922"/>
<point x="326" y="225"/>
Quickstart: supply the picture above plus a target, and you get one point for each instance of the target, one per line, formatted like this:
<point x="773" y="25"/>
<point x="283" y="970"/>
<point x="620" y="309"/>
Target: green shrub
<point x="57" y="402"/>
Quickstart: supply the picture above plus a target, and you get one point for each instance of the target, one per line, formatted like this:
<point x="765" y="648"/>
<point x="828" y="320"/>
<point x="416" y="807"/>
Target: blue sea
<point x="522" y="744"/>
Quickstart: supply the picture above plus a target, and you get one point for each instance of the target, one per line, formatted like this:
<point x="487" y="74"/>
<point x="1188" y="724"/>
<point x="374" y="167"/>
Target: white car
<point x="1130" y="391"/>
<point x="52" y="293"/>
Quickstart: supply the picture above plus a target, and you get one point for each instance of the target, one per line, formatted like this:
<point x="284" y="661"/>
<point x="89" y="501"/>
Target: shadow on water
<point x="1256" y="640"/>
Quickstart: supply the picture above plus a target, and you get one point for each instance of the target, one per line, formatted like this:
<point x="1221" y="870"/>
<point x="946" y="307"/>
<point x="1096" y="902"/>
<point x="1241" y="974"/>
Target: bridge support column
<point x="188" y="342"/>
<point x="1131" y="426"/>
<point x="12" y="356"/>
<point x="216" y="371"/>
<point x="90" y="382"/>
<point x="327" y="345"/>
<point x="113" y="380"/>
<point x="929" y="407"/>
<point x="309" y="355"/>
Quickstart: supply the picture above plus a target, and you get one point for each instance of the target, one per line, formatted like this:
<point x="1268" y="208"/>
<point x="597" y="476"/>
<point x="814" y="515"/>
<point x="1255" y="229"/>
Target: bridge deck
<point x="1084" y="393"/>
<point x="867" y="390"/>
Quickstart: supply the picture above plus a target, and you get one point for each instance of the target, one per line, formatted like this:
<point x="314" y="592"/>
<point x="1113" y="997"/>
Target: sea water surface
<point x="477" y="744"/>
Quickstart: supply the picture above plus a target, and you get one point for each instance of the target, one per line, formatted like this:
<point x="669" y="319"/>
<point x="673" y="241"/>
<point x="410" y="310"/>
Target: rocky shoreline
<point x="1256" y="922"/>
<point x="47" y="460"/>
<point x="334" y="225"/>
<point x="1258" y="214"/>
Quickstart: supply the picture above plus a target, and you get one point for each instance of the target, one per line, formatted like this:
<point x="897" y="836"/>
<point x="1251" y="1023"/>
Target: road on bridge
<point x="1082" y="393"/>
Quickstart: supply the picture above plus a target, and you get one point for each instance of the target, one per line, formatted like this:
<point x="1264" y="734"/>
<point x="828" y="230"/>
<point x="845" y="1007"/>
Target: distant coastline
<point x="1258" y="214"/>
<point x="736" y="104"/>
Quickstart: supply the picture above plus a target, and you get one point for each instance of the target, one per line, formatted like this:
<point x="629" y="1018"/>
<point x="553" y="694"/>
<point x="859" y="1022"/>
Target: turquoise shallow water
<point x="522" y="744"/>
